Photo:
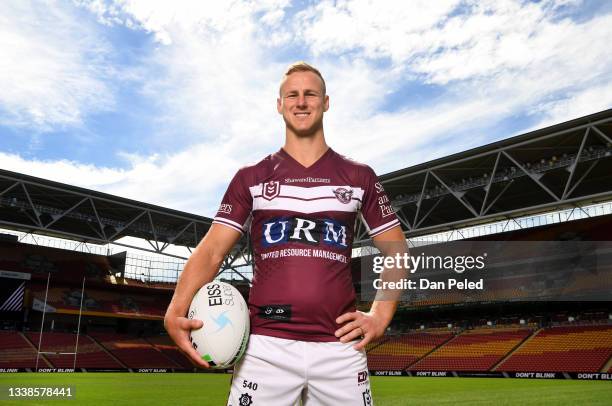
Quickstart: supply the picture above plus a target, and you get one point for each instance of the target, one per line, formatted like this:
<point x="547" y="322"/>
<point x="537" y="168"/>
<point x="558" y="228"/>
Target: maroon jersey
<point x="301" y="223"/>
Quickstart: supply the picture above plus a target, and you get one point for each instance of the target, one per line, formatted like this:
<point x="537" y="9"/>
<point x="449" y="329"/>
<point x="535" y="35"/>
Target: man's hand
<point x="369" y="326"/>
<point x="178" y="328"/>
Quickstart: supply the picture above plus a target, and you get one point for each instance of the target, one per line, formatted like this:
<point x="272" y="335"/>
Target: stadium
<point x="87" y="276"/>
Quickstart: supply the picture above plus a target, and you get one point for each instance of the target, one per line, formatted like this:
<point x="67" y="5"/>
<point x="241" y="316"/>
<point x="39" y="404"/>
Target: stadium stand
<point x="100" y="302"/>
<point x="134" y="352"/>
<point x="63" y="265"/>
<point x="563" y="349"/>
<point x="401" y="351"/>
<point x="375" y="343"/>
<point x="17" y="352"/>
<point x="473" y="350"/>
<point x="89" y="354"/>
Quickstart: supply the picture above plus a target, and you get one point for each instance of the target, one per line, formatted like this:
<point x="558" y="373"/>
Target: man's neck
<point x="306" y="150"/>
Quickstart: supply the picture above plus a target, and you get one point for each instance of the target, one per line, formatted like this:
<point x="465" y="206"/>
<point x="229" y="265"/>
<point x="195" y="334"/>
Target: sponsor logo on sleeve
<point x="225" y="208"/>
<point x="379" y="187"/>
<point x="386" y="210"/>
<point x="385" y="206"/>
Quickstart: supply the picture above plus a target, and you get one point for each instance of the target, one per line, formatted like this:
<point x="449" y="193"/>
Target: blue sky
<point x="163" y="101"/>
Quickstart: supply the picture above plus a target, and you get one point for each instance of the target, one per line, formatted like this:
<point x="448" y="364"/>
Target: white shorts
<point x="280" y="372"/>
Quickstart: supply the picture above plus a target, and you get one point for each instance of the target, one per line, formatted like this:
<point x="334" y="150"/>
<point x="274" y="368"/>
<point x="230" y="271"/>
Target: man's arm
<point x="372" y="325"/>
<point x="201" y="268"/>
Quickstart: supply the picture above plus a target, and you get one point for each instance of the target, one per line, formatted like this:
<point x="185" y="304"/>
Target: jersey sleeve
<point x="376" y="211"/>
<point x="236" y="205"/>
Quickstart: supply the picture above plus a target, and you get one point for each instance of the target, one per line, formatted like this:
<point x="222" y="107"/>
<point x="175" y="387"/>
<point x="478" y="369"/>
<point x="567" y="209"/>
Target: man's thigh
<point x="271" y="373"/>
<point x="337" y="375"/>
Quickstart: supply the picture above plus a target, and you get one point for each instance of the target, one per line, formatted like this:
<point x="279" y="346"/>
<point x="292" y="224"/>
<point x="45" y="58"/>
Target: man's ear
<point x="326" y="103"/>
<point x="279" y="105"/>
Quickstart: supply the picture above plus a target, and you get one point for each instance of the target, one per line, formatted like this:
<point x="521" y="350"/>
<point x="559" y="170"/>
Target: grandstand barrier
<point x="486" y="374"/>
<point x="416" y="374"/>
<point x="84" y="370"/>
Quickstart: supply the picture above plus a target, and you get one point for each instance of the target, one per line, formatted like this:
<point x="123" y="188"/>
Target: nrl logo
<point x="270" y="190"/>
<point x="344" y="195"/>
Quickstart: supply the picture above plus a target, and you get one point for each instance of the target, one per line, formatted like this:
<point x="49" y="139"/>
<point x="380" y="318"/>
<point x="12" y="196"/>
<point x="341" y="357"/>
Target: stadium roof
<point x="41" y="206"/>
<point x="564" y="165"/>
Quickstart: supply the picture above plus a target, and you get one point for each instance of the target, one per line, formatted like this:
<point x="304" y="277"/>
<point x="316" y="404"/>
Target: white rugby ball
<point x="222" y="339"/>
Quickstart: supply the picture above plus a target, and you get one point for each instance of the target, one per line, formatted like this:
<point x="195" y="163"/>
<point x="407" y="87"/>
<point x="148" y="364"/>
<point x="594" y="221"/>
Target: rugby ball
<point x="222" y="339"/>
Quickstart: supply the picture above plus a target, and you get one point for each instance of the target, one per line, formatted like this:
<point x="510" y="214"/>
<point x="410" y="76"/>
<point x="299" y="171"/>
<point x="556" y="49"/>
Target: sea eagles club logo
<point x="270" y="190"/>
<point x="344" y="195"/>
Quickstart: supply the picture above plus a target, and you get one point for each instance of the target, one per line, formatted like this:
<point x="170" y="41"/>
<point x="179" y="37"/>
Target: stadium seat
<point x="563" y="349"/>
<point x="473" y="350"/>
<point x="398" y="352"/>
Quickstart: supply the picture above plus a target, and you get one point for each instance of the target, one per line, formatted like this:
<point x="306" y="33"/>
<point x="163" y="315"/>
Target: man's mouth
<point x="304" y="114"/>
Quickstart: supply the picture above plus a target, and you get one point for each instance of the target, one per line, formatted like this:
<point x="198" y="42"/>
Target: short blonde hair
<point x="302" y="66"/>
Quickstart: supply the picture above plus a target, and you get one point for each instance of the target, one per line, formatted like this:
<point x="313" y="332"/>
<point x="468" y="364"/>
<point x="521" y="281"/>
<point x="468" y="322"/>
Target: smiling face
<point x="302" y="103"/>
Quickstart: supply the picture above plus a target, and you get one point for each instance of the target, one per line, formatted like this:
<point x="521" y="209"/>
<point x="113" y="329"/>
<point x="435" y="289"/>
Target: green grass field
<point x="206" y="389"/>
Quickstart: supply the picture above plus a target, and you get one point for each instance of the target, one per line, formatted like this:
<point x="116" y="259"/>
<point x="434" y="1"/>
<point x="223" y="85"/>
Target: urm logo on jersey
<point x="283" y="230"/>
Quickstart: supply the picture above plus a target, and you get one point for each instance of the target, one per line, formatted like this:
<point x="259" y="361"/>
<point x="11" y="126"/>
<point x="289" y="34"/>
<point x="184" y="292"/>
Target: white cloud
<point x="211" y="75"/>
<point x="53" y="67"/>
<point x="378" y="29"/>
<point x="183" y="181"/>
<point x="220" y="74"/>
<point x="576" y="104"/>
<point x="493" y="59"/>
<point x="64" y="170"/>
<point x="517" y="40"/>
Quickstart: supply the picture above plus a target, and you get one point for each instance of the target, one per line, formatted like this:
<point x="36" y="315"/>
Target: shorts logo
<point x="343" y="195"/>
<point x="362" y="377"/>
<point x="367" y="398"/>
<point x="245" y="400"/>
<point x="270" y="190"/>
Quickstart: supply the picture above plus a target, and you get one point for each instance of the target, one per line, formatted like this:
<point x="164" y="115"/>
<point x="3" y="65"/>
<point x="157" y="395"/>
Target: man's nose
<point x="301" y="101"/>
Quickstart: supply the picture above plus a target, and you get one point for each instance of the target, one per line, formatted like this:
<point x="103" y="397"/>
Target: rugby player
<point x="299" y="206"/>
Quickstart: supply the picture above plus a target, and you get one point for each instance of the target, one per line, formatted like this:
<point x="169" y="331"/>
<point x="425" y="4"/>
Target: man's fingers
<point x="197" y="359"/>
<point x="361" y="344"/>
<point x="180" y="335"/>
<point x="186" y="347"/>
<point x="346" y="317"/>
<point x="346" y="328"/>
<point x="187" y="324"/>
<point x="351" y="335"/>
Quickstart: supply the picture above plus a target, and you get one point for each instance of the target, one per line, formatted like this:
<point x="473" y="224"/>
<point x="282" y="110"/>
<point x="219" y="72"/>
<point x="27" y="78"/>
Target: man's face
<point x="302" y="103"/>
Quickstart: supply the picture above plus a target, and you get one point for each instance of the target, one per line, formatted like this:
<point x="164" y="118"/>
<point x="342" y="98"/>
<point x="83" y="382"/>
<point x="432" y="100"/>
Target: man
<point x="299" y="206"/>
